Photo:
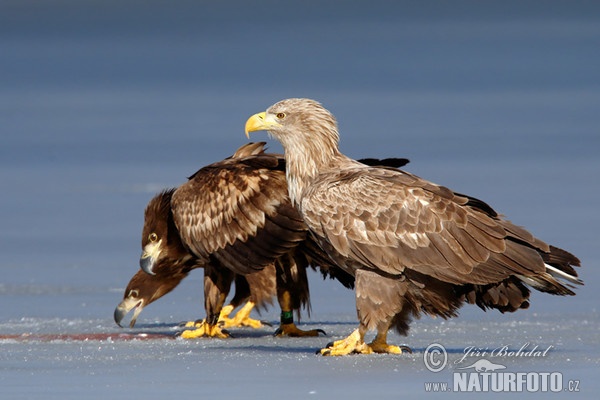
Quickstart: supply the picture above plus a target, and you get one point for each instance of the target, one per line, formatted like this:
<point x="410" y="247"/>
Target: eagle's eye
<point x="280" y="115"/>
<point x="133" y="293"/>
<point x="153" y="237"/>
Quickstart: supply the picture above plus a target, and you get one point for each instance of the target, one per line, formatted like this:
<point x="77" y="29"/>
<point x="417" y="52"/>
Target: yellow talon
<point x="194" y="324"/>
<point x="355" y="344"/>
<point x="205" y="330"/>
<point x="379" y="345"/>
<point x="225" y="311"/>
<point x="292" y="330"/>
<point x="384" y="348"/>
<point x="241" y="318"/>
<point x="352" y="344"/>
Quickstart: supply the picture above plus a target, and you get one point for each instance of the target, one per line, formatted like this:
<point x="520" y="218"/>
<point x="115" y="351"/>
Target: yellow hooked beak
<point x="260" y="122"/>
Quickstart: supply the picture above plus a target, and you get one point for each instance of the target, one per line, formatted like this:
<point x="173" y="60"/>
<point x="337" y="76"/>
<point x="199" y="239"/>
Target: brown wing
<point x="406" y="222"/>
<point x="238" y="212"/>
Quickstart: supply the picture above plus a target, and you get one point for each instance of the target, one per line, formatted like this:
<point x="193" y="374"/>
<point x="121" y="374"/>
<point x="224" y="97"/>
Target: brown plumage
<point x="234" y="219"/>
<point x="174" y="263"/>
<point x="413" y="246"/>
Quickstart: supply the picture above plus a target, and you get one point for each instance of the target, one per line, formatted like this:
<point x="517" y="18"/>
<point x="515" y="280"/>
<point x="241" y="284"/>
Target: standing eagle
<point x="413" y="246"/>
<point x="234" y="219"/>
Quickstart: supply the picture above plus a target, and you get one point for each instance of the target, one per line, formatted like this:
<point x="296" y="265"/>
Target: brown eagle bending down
<point x="413" y="246"/>
<point x="175" y="263"/>
<point x="234" y="219"/>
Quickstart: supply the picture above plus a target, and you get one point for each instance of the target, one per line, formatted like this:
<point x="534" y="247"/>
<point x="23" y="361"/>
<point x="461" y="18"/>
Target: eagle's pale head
<point x="294" y="120"/>
<point x="309" y="135"/>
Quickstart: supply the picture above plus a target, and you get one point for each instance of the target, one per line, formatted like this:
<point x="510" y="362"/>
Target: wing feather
<point x="407" y="222"/>
<point x="238" y="211"/>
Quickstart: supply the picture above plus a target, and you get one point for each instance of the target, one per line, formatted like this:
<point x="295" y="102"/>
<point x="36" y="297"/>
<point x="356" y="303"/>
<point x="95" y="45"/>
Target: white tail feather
<point x="557" y="273"/>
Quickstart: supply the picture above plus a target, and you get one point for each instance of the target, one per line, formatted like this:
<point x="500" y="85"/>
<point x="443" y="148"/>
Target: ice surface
<point x="103" y="103"/>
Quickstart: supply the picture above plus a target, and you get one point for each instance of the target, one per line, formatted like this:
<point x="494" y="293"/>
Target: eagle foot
<point x="380" y="345"/>
<point x="241" y="318"/>
<point x="384" y="348"/>
<point x="205" y="330"/>
<point x="352" y="344"/>
<point x="292" y="330"/>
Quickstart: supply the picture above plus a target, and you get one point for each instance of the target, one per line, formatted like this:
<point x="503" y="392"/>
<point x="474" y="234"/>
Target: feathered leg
<point x="292" y="294"/>
<point x="287" y="326"/>
<point x="217" y="283"/>
<point x="379" y="302"/>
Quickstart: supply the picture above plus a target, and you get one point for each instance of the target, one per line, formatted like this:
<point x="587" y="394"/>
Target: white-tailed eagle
<point x="413" y="246"/>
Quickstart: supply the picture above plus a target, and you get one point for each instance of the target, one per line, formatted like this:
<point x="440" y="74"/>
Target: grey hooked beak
<point x="147" y="263"/>
<point x="124" y="307"/>
<point x="149" y="256"/>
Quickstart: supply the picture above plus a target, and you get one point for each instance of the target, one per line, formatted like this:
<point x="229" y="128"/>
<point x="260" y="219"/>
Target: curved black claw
<point x="320" y="352"/>
<point x="330" y="344"/>
<point x="321" y="331"/>
<point x="278" y="332"/>
<point x="184" y="323"/>
<point x="225" y="331"/>
<point x="406" y="349"/>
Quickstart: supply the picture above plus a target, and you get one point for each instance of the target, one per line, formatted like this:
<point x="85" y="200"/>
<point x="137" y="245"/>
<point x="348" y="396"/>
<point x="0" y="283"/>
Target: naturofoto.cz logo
<point x="472" y="373"/>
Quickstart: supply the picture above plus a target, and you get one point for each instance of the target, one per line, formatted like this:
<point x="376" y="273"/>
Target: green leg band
<point x="287" y="317"/>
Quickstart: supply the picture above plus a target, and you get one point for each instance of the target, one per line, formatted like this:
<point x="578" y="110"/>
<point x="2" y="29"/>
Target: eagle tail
<point x="560" y="263"/>
<point x="559" y="277"/>
<point x="512" y="293"/>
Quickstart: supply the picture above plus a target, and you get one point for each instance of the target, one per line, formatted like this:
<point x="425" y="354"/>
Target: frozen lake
<point x="104" y="103"/>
